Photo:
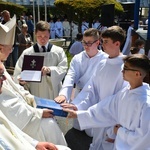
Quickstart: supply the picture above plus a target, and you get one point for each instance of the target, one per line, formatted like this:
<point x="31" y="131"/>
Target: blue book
<point x="50" y="104"/>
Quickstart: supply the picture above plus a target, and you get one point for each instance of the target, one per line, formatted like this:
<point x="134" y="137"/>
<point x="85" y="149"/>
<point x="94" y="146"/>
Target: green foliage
<point x="12" y="8"/>
<point x="90" y="9"/>
<point x="69" y="57"/>
<point x="85" y="8"/>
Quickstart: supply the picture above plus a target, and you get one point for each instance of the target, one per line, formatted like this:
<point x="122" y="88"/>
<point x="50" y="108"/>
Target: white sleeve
<point x="88" y="96"/>
<point x="139" y="137"/>
<point x="70" y="79"/>
<point x="59" y="71"/>
<point x="102" y="114"/>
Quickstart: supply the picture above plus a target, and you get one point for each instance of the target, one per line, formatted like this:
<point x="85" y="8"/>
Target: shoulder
<point x="56" y="49"/>
<point x="79" y="56"/>
<point x="102" y="54"/>
<point x="28" y="51"/>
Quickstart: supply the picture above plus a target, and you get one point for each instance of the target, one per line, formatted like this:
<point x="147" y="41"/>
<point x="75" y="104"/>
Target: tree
<point x="90" y="9"/>
<point x="12" y="8"/>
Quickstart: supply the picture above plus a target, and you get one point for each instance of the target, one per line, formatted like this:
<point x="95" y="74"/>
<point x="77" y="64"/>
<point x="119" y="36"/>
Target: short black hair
<point x="115" y="33"/>
<point x="79" y="36"/>
<point x="138" y="60"/>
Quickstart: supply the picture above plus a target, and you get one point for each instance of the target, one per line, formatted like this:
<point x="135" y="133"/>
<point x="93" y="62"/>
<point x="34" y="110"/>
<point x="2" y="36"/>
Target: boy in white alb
<point x="129" y="108"/>
<point x="106" y="81"/>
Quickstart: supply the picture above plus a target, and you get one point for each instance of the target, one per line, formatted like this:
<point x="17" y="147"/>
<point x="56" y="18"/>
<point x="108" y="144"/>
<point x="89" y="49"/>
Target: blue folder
<point x="50" y="104"/>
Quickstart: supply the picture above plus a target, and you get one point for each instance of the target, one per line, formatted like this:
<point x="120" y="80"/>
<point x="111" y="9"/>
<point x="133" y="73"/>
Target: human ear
<point x="138" y="73"/>
<point x="117" y="43"/>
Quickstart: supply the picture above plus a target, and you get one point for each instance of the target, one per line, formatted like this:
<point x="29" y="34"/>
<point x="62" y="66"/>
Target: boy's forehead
<point x="105" y="38"/>
<point x="88" y="38"/>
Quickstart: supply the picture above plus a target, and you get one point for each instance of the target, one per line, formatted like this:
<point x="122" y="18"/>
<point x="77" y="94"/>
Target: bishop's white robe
<point x="106" y="81"/>
<point x="12" y="138"/>
<point x="50" y="86"/>
<point x="130" y="109"/>
<point x="29" y="119"/>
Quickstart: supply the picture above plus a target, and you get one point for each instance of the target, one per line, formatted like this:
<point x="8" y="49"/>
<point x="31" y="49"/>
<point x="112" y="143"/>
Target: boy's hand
<point x="71" y="113"/>
<point x="70" y="106"/>
<point x="60" y="99"/>
<point x="117" y="126"/>
<point x="45" y="70"/>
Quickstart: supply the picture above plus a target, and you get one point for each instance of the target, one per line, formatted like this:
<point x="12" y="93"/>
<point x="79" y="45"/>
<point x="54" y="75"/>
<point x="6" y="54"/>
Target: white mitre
<point x="7" y="32"/>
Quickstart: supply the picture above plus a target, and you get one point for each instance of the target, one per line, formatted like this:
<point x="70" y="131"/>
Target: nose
<point x="123" y="71"/>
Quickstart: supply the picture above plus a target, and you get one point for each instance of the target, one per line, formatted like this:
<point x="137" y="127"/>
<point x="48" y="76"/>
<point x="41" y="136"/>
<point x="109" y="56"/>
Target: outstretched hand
<point x="47" y="113"/>
<point x="70" y="106"/>
<point x="45" y="70"/>
<point x="46" y="146"/>
<point x="60" y="99"/>
<point x="71" y="113"/>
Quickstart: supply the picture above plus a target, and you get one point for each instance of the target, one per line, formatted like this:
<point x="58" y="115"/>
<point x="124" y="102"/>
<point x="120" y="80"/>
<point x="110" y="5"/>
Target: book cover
<point x="31" y="68"/>
<point x="32" y="62"/>
<point x="50" y="104"/>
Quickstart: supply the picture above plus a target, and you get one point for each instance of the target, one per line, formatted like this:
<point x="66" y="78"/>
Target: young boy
<point x="81" y="67"/>
<point x="139" y="43"/>
<point x="129" y="108"/>
<point x="105" y="82"/>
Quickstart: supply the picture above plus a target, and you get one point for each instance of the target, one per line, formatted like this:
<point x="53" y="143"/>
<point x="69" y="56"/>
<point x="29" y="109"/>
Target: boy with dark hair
<point x="106" y="81"/>
<point x="129" y="108"/>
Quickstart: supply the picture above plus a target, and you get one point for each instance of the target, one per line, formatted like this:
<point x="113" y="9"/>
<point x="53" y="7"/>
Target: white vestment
<point x="128" y="42"/>
<point x="29" y="119"/>
<point x="50" y="86"/>
<point x="96" y="25"/>
<point x="130" y="108"/>
<point x="84" y="26"/>
<point x="80" y="71"/>
<point x="59" y="29"/>
<point x="74" y="29"/>
<point x="106" y="81"/>
<point x="12" y="138"/>
<point x="52" y="30"/>
<point x="66" y="27"/>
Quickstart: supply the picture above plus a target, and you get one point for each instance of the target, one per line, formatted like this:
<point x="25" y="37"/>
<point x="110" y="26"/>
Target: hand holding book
<point x="47" y="113"/>
<point x="45" y="70"/>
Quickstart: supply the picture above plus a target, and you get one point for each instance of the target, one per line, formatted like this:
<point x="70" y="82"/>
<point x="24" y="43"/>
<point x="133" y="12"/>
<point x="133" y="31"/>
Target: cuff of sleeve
<point x="34" y="143"/>
<point x="122" y="132"/>
<point x="81" y="119"/>
<point x="39" y="112"/>
<point x="110" y="133"/>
